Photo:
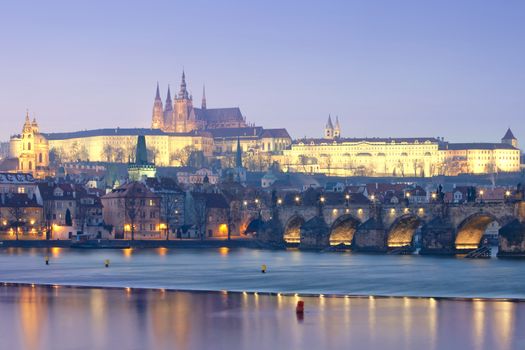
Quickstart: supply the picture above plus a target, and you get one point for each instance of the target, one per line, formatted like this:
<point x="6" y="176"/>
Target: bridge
<point x="444" y="228"/>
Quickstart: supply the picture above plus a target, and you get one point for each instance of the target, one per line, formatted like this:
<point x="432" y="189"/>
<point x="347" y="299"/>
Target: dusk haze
<point x="262" y="175"/>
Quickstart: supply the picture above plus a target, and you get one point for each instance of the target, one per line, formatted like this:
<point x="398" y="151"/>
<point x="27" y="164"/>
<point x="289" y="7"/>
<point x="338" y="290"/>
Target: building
<point x="172" y="202"/>
<point x="210" y="214"/>
<point x="20" y="216"/>
<point x="180" y="116"/>
<point x="481" y="158"/>
<point x="31" y="149"/>
<point x="141" y="167"/>
<point x="188" y="177"/>
<point x="119" y="145"/>
<point x="339" y="156"/>
<point x="398" y="157"/>
<point x="133" y="211"/>
<point x="18" y="183"/>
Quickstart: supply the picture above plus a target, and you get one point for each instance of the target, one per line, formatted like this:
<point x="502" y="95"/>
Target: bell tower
<point x="157" y="118"/>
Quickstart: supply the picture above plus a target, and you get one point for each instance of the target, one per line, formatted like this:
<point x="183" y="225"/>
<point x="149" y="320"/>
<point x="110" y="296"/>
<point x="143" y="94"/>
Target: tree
<point x="16" y="221"/>
<point x="107" y="152"/>
<point x="48" y="218"/>
<point x="68" y="219"/>
<point x="182" y="155"/>
<point x="169" y="205"/>
<point x="132" y="211"/>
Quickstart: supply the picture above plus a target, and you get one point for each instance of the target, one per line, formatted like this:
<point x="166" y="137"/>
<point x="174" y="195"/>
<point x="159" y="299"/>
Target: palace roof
<point x="475" y="146"/>
<point x="214" y="115"/>
<point x="389" y="140"/>
<point x="114" y="132"/>
<point x="248" y="132"/>
<point x="20" y="178"/>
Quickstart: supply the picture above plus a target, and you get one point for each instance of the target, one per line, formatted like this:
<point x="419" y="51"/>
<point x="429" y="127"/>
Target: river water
<point x="142" y="312"/>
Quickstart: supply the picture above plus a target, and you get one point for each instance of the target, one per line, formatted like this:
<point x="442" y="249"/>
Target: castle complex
<point x="179" y="129"/>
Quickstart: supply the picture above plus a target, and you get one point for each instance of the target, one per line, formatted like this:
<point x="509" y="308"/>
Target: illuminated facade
<point x="118" y="145"/>
<point x="31" y="148"/>
<point x="404" y="157"/>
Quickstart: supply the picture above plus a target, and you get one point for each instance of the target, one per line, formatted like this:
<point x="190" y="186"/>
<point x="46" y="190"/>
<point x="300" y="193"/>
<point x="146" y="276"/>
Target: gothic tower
<point x="329" y="129"/>
<point x="157" y="119"/>
<point x="168" y="113"/>
<point x="184" y="115"/>
<point x="337" y="128"/>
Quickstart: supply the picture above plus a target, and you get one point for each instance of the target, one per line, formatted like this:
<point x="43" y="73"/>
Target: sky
<point x="448" y="68"/>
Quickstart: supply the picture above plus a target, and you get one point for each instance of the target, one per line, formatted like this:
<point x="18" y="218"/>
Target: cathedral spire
<point x="157" y="95"/>
<point x="183" y="93"/>
<point x="203" y="105"/>
<point x="168" y="97"/>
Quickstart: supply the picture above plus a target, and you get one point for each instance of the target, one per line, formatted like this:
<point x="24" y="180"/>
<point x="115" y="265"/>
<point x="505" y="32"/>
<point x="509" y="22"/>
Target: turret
<point x="329" y="129"/>
<point x="157" y="119"/>
<point x="183" y="93"/>
<point x="509" y="139"/>
<point x="238" y="155"/>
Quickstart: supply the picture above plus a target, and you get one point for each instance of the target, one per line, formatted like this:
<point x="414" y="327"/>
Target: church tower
<point x="329" y="129"/>
<point x="168" y="113"/>
<point x="157" y="119"/>
<point x="184" y="115"/>
<point x="510" y="139"/>
<point x="337" y="128"/>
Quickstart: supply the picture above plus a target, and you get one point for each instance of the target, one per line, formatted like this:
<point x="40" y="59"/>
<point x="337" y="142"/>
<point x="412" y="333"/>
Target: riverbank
<point x="123" y="244"/>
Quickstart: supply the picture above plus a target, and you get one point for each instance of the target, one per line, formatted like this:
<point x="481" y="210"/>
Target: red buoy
<point x="300" y="307"/>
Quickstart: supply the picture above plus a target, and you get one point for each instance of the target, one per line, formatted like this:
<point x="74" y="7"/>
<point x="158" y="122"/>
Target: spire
<point x="337" y="122"/>
<point x="329" y="124"/>
<point x="238" y="156"/>
<point x="203" y="105"/>
<point x="168" y="97"/>
<point x="509" y="135"/>
<point x="27" y="115"/>
<point x="141" y="153"/>
<point x="183" y="93"/>
<point x="157" y="95"/>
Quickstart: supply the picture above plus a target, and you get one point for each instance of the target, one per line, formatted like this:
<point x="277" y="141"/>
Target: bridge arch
<point x="401" y="232"/>
<point x="292" y="229"/>
<point x="470" y="231"/>
<point x="343" y="230"/>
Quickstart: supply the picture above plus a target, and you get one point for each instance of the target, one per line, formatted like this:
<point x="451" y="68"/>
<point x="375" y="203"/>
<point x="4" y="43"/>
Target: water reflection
<point x="48" y="318"/>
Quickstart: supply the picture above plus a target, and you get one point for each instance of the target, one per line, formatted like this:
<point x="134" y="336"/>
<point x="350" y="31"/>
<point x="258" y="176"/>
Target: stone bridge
<point x="444" y="228"/>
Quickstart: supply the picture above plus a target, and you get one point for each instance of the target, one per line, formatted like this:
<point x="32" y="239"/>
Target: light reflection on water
<point x="84" y="318"/>
<point x="288" y="271"/>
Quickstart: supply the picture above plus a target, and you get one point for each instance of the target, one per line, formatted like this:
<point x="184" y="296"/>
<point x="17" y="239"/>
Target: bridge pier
<point x="438" y="238"/>
<point x="371" y="236"/>
<point x="512" y="240"/>
<point x="315" y="234"/>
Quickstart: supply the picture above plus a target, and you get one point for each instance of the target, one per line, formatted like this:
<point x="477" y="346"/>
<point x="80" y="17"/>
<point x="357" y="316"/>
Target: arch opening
<point x="251" y="226"/>
<point x="292" y="231"/>
<point x="402" y="231"/>
<point x="470" y="232"/>
<point x="343" y="230"/>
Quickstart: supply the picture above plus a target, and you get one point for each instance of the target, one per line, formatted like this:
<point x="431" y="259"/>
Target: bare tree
<point x="182" y="155"/>
<point x="169" y="206"/>
<point x="16" y="214"/>
<point x="132" y="211"/>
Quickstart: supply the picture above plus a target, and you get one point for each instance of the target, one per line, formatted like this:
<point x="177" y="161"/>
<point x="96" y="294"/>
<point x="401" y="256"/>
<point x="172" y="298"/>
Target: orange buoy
<point x="300" y="307"/>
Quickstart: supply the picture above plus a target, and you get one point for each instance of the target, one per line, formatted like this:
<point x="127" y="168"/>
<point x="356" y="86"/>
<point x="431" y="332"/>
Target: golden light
<point x="163" y="226"/>
<point x="421" y="210"/>
<point x="434" y="196"/>
<point x="279" y="201"/>
<point x="507" y="193"/>
<point x="408" y="194"/>
<point x="245" y="203"/>
<point x="334" y="211"/>
<point x="55" y="251"/>
<point x="256" y="200"/>
<point x="372" y="197"/>
<point x="54" y="227"/>
<point x="360" y="211"/>
<point x="223" y="229"/>
<point x="4" y="222"/>
<point x="162" y="251"/>
<point x="481" y="192"/>
<point x="347" y="210"/>
<point x="297" y="199"/>
<point x="32" y="221"/>
<point x="406" y="210"/>
<point x="392" y="211"/>
<point x="322" y="199"/>
<point x="347" y="196"/>
<point x="127" y="252"/>
<point x="224" y="251"/>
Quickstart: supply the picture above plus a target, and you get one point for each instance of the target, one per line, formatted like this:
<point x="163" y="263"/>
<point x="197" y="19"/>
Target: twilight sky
<point x="387" y="68"/>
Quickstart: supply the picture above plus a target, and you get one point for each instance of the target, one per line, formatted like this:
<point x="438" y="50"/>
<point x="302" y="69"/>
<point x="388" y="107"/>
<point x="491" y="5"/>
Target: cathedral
<point x="178" y="115"/>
